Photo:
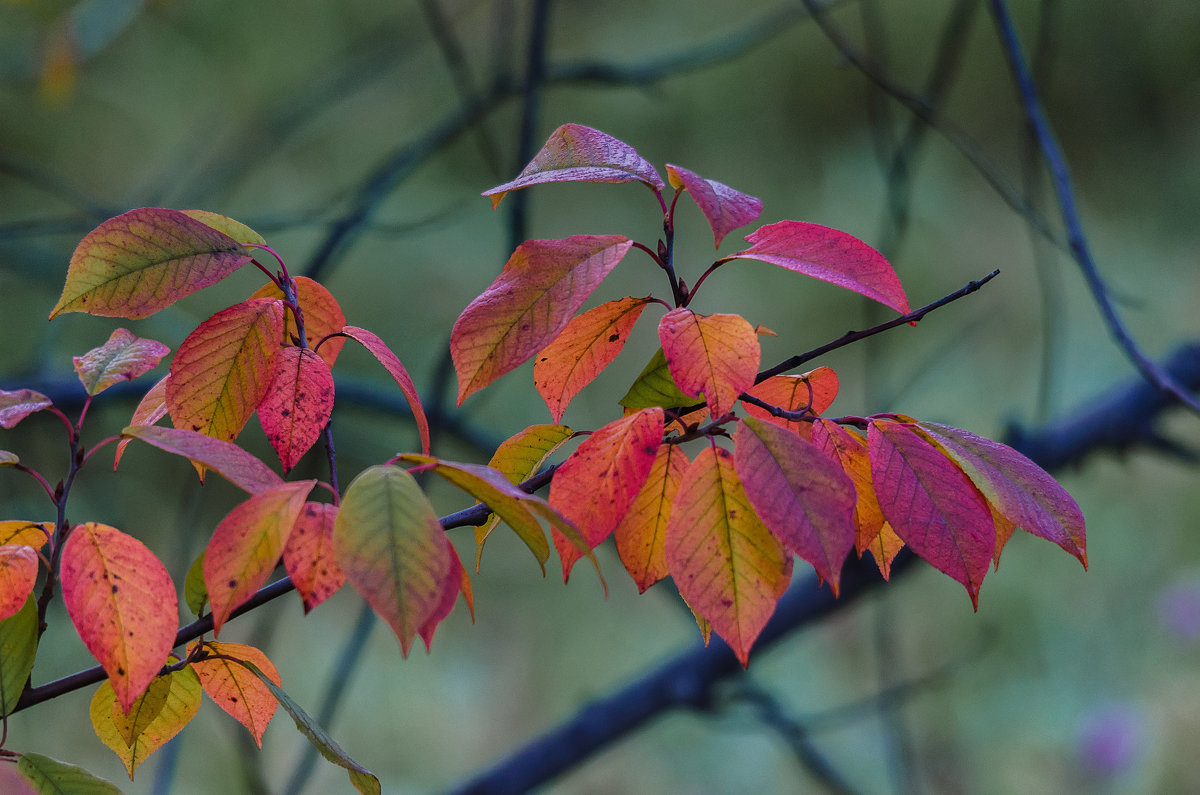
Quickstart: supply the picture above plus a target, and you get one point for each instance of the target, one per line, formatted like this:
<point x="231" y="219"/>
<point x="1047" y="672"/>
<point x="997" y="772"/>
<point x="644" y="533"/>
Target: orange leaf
<point x="849" y="450"/>
<point x="30" y="534"/>
<point x="298" y="403"/>
<point x="390" y="544"/>
<point x="931" y="504"/>
<point x="150" y="409"/>
<point x="803" y="497"/>
<point x="169" y="704"/>
<point x="597" y="483"/>
<point x="884" y="547"/>
<point x="123" y="605"/>
<point x="123" y="358"/>
<point x="235" y="689"/>
<point x="322" y="316"/>
<point x="829" y="255"/>
<point x="814" y="391"/>
<point x="641" y="534"/>
<point x="584" y="348"/>
<point x="308" y="555"/>
<point x="574" y="153"/>
<point x="18" y="575"/>
<point x="724" y="208"/>
<point x="392" y="364"/>
<point x="715" y="356"/>
<point x="143" y="261"/>
<point x="247" y="544"/>
<point x="222" y="370"/>
<point x="226" y="458"/>
<point x="19" y="404"/>
<point x="542" y="286"/>
<point x="727" y="565"/>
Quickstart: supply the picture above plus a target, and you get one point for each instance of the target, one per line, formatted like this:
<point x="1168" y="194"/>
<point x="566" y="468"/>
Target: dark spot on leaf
<point x="233" y="583"/>
<point x="120" y="670"/>
<point x="614" y="337"/>
<point x="115" y="588"/>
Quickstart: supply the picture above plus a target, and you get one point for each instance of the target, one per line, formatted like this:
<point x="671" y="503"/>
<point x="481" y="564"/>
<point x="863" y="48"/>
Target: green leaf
<point x="18" y="646"/>
<point x="235" y="229"/>
<point x="363" y="780"/>
<point x="195" y="592"/>
<point x="51" y="777"/>
<point x="655" y="387"/>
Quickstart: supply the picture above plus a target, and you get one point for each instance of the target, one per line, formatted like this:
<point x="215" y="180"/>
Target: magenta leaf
<point x="725" y="208"/>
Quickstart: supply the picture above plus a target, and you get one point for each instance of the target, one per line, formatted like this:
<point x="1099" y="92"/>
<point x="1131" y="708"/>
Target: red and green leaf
<point x="813" y="392"/>
<point x="574" y="153"/>
<point x="19" y="404"/>
<point x="585" y="347"/>
<point x="298" y="404"/>
<point x="123" y="358"/>
<point x="931" y="504"/>
<point x="223" y="223"/>
<point x="597" y="483"/>
<point x="247" y="545"/>
<point x="452" y="586"/>
<point x="728" y="566"/>
<point x="145" y="260"/>
<point x="169" y="704"/>
<point x="392" y="364"/>
<point x="235" y="689"/>
<point x="542" y="286"/>
<point x="801" y="495"/>
<point x="322" y="316"/>
<point x="18" y="575"/>
<point x="308" y="555"/>
<point x="221" y="372"/>
<point x="150" y="409"/>
<point x="388" y="541"/>
<point x="641" y="534"/>
<point x="714" y="356"/>
<point x="123" y="605"/>
<point x="724" y="208"/>
<point x="225" y="458"/>
<point x="829" y="255"/>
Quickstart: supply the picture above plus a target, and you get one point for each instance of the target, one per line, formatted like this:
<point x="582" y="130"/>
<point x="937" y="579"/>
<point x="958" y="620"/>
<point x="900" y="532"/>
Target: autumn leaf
<point x="298" y="404"/>
<point x="123" y="358"/>
<point x="144" y="260"/>
<point x="18" y="647"/>
<point x="542" y="286"/>
<point x="195" y="592"/>
<point x="849" y="450"/>
<point x="392" y="364"/>
<point x="156" y="716"/>
<point x="8" y="459"/>
<point x="222" y="223"/>
<point x="322" y="316"/>
<point x="235" y="689"/>
<point x="597" y="483"/>
<point x="225" y="458"/>
<point x="829" y="255"/>
<point x="802" y="496"/>
<point x="724" y="208"/>
<point x="452" y="586"/>
<point x="813" y="391"/>
<point x="150" y="409"/>
<point x="728" y="566"/>
<point x="32" y="534"/>
<point x="931" y="504"/>
<point x="582" y="350"/>
<point x="1021" y="491"/>
<point x="52" y="776"/>
<point x="574" y="153"/>
<point x="221" y="372"/>
<point x="18" y="575"/>
<point x="19" y="404"/>
<point x="714" y="356"/>
<point x="655" y="387"/>
<point x="123" y="605"/>
<point x="308" y="555"/>
<point x="247" y="544"/>
<point x="390" y="544"/>
<point x="641" y="534"/>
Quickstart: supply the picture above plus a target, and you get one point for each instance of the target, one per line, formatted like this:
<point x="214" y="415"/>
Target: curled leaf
<point x="724" y="208"/>
<point x="383" y="354"/>
<point x="227" y="459"/>
<point x="123" y="358"/>
<point x="19" y="404"/>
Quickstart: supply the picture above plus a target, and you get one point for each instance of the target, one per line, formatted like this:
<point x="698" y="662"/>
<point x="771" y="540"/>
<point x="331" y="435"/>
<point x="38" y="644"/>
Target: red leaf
<point x="728" y="566"/>
<point x="829" y="255"/>
<point x="597" y="483"/>
<point x="18" y="575"/>
<point x="150" y="409"/>
<point x="803" y="497"/>
<point x="392" y="364"/>
<point x="1021" y="491"/>
<point x="235" y="689"/>
<point x="931" y="504"/>
<point x="850" y="452"/>
<point x="584" y="348"/>
<point x="123" y="605"/>
<point x="574" y="153"/>
<point x="123" y="358"/>
<point x="716" y="356"/>
<point x="247" y="544"/>
<point x="542" y="286"/>
<point x="322" y="316"/>
<point x="17" y="405"/>
<point x="642" y="533"/>
<point x="145" y="260"/>
<point x="813" y="391"/>
<point x="226" y="458"/>
<point x="308" y="555"/>
<point x="298" y="403"/>
<point x="222" y="370"/>
<point x="452" y="586"/>
<point x="724" y="208"/>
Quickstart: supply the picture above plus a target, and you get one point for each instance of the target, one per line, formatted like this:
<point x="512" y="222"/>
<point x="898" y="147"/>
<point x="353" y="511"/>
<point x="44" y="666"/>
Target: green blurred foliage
<point x="281" y="115"/>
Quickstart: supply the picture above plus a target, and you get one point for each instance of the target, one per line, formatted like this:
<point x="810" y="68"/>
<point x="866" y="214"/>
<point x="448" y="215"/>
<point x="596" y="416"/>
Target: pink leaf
<point x="19" y="404"/>
<point x="392" y="364"/>
<point x="298" y="403"/>
<point x="230" y="461"/>
<point x="716" y="356"/>
<point x="725" y="208"/>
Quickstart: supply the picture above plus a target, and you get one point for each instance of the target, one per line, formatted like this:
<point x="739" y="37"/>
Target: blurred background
<point x="356" y="136"/>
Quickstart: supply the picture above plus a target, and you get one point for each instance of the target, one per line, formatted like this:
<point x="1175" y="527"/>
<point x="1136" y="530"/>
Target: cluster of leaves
<point x="773" y="477"/>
